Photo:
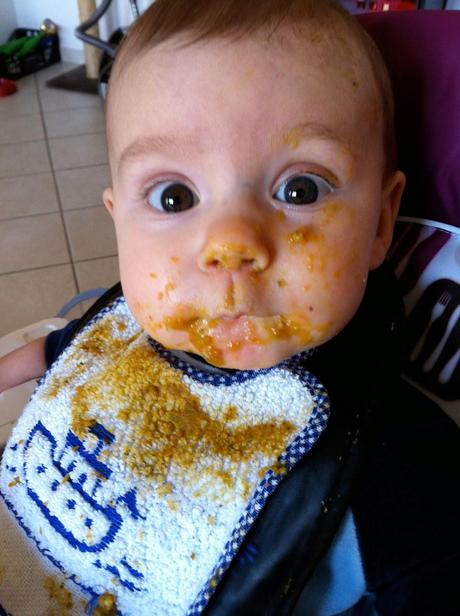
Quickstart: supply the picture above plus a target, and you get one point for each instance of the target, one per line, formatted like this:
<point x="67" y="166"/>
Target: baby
<point x="194" y="447"/>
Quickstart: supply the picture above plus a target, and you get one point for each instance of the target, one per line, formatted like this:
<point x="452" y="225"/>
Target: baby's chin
<point x="254" y="357"/>
<point x="247" y="356"/>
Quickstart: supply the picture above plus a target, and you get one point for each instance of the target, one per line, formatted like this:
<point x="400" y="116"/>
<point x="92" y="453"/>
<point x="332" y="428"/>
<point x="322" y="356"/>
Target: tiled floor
<point x="56" y="239"/>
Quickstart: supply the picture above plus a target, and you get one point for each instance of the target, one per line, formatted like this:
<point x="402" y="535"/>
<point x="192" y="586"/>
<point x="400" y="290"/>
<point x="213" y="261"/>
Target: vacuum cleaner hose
<point x="80" y="31"/>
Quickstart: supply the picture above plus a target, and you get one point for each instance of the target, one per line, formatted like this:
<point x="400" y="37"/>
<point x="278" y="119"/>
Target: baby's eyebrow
<point x="292" y="136"/>
<point x="153" y="143"/>
<point x="282" y="136"/>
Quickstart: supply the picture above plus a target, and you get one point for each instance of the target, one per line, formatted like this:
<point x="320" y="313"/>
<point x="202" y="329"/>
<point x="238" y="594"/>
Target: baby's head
<point x="254" y="182"/>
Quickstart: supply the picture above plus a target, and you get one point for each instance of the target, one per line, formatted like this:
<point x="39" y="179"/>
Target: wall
<point x="30" y="13"/>
<point x="7" y="19"/>
<point x="453" y="4"/>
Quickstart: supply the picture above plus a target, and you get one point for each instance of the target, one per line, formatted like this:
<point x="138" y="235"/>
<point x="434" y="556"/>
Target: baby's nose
<point x="235" y="249"/>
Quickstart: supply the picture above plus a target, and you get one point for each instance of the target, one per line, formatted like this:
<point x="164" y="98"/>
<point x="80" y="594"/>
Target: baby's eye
<point x="302" y="189"/>
<point x="171" y="196"/>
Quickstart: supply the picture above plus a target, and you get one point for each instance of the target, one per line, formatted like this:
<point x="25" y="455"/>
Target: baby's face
<point x="247" y="196"/>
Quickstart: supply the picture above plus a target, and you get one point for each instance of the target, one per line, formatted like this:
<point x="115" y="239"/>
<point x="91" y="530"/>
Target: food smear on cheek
<point x="280" y="216"/>
<point x="331" y="211"/>
<point x="301" y="240"/>
<point x="315" y="262"/>
<point x="304" y="238"/>
<point x="303" y="235"/>
<point x="170" y="286"/>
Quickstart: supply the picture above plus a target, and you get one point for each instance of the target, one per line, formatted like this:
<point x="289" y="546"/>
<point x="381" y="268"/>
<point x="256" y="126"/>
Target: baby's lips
<point x="234" y="332"/>
<point x="229" y="332"/>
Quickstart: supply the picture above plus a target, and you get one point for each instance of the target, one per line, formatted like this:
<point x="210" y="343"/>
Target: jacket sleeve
<point x="57" y="341"/>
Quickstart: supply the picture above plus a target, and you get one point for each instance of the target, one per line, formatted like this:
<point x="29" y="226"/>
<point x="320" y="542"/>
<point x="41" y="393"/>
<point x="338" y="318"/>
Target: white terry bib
<point x="134" y="476"/>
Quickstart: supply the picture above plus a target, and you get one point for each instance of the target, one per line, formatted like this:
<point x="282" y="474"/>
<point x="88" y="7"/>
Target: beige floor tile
<point x="30" y="242"/>
<point x="21" y="128"/>
<point x="21" y="103"/>
<point x="78" y="151"/>
<point x="28" y="297"/>
<point x="26" y="83"/>
<point x="74" y="122"/>
<point x="97" y="273"/>
<point x="27" y="195"/>
<point x="54" y="99"/>
<point x="52" y="71"/>
<point x="23" y="158"/>
<point x="82" y="187"/>
<point x="91" y="233"/>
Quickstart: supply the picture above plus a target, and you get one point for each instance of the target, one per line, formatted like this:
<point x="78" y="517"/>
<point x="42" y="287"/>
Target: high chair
<point x="422" y="52"/>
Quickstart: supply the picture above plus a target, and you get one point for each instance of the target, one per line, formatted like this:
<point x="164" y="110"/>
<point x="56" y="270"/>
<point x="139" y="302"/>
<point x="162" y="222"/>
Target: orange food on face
<point x="201" y="336"/>
<point x="170" y="286"/>
<point x="211" y="337"/>
<point x="280" y="215"/>
<point x="331" y="211"/>
<point x="200" y="333"/>
<point x="231" y="256"/>
<point x="285" y="327"/>
<point x="302" y="235"/>
<point x="292" y="137"/>
<point x="315" y="262"/>
<point x="229" y="300"/>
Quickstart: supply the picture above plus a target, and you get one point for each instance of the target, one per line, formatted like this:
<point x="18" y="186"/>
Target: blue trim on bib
<point x="222" y="377"/>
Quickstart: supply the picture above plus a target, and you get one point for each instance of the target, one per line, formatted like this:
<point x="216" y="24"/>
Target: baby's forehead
<point x="335" y="42"/>
<point x="344" y="62"/>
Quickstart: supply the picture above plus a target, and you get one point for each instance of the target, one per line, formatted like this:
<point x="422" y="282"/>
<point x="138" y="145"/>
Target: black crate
<point x="46" y="53"/>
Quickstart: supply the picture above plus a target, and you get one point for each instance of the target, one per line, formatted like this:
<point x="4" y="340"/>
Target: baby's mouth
<point x="214" y="337"/>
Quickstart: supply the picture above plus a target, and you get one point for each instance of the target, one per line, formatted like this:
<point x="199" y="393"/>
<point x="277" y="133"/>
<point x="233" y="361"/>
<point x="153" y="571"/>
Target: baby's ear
<point x="107" y="197"/>
<point x="391" y="199"/>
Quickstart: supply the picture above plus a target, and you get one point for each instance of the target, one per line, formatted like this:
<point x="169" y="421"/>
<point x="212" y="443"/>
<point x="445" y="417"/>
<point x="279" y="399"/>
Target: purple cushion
<point x="422" y="51"/>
